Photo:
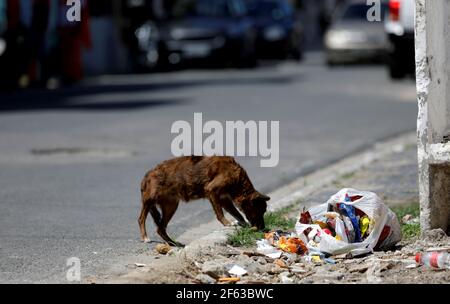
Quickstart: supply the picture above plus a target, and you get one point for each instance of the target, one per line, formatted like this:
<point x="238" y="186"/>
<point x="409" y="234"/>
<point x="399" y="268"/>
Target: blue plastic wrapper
<point x="350" y="212"/>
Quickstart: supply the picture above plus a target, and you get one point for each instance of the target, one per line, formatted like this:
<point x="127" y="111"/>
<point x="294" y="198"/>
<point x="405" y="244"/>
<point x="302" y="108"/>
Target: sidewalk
<point x="393" y="177"/>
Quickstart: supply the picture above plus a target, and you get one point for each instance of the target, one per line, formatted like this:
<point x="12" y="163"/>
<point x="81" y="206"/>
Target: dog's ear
<point x="264" y="197"/>
<point x="258" y="196"/>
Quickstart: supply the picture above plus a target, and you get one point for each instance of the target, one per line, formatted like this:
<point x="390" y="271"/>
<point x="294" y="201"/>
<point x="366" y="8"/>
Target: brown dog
<point x="219" y="179"/>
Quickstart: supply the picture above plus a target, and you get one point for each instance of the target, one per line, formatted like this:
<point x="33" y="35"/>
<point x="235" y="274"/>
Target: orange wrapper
<point x="292" y="245"/>
<point x="229" y="280"/>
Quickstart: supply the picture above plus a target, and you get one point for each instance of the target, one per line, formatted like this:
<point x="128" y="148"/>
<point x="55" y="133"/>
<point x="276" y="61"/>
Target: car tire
<point x="396" y="70"/>
<point x="295" y="47"/>
<point x="298" y="54"/>
<point x="330" y="63"/>
<point x="247" y="54"/>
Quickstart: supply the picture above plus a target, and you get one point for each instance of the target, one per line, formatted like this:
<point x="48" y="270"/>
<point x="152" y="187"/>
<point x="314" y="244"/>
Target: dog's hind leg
<point x="146" y="205"/>
<point x="168" y="208"/>
<point x="155" y="215"/>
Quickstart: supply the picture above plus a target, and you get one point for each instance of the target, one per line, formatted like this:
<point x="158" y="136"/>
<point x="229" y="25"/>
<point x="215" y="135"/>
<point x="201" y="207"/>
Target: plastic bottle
<point x="434" y="259"/>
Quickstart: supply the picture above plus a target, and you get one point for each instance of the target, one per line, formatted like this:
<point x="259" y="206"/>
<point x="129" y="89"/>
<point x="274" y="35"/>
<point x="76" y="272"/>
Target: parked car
<point x="352" y="37"/>
<point x="400" y="29"/>
<point x="218" y="30"/>
<point x="280" y="33"/>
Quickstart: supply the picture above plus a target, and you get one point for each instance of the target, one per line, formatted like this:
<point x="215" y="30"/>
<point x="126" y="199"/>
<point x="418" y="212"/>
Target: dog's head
<point x="254" y="208"/>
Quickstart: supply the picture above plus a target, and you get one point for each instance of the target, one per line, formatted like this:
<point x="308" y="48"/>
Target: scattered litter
<point x="228" y="280"/>
<point x="285" y="241"/>
<point x="411" y="266"/>
<point x="357" y="219"/>
<point x="237" y="271"/>
<point x="407" y="218"/>
<point x="254" y="282"/>
<point x="410" y="219"/>
<point x="351" y="224"/>
<point x="316" y="259"/>
<point x="139" y="265"/>
<point x="163" y="248"/>
<point x="265" y="248"/>
<point x="438" y="249"/>
<point x="274" y="255"/>
<point x="280" y="263"/>
<point x="439" y="260"/>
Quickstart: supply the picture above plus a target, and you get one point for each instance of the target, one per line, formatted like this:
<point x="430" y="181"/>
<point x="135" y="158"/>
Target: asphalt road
<point x="71" y="161"/>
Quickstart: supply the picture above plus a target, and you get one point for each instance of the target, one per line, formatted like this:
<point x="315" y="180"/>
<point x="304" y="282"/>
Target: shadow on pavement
<point x="84" y="97"/>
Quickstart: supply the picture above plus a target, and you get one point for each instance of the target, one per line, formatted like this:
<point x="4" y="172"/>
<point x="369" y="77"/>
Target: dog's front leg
<point x="215" y="202"/>
<point x="228" y="205"/>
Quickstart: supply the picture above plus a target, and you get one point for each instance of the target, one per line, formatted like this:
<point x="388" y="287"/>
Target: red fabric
<point x="73" y="39"/>
<point x="71" y="51"/>
<point x="13" y="13"/>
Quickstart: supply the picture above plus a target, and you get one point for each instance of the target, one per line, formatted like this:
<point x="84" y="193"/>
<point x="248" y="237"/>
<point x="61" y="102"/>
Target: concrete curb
<point x="296" y="191"/>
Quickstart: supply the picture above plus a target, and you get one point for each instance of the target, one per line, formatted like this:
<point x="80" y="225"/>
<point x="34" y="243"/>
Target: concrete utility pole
<point x="433" y="88"/>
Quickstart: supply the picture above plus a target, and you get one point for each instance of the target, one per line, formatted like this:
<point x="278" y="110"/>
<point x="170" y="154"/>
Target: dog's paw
<point x="243" y="224"/>
<point x="146" y="240"/>
<point x="176" y="244"/>
<point x="226" y="223"/>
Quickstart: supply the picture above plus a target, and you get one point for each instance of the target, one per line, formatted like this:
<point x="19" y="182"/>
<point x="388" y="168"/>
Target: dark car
<point x="218" y="30"/>
<point x="280" y="33"/>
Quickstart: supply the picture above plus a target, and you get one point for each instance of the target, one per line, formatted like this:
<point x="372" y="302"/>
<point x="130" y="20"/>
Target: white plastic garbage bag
<point x="384" y="223"/>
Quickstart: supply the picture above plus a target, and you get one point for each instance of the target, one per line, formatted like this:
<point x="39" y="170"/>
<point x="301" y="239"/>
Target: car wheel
<point x="247" y="55"/>
<point x="297" y="53"/>
<point x="296" y="48"/>
<point x="396" y="70"/>
<point x="330" y="63"/>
